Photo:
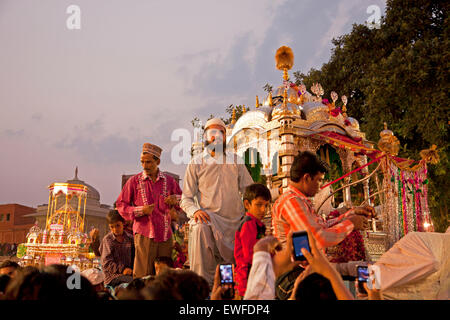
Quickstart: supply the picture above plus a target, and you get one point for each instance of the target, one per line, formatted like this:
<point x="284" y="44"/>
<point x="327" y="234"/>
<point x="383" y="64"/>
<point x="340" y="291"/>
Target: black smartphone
<point x="300" y="240"/>
<point x="363" y="276"/>
<point x="227" y="280"/>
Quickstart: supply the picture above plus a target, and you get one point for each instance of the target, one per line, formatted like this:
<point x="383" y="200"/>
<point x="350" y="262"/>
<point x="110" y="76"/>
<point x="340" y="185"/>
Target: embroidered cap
<point x="151" y="149"/>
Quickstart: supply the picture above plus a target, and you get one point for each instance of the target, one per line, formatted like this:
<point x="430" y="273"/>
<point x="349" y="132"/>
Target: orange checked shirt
<point x="294" y="211"/>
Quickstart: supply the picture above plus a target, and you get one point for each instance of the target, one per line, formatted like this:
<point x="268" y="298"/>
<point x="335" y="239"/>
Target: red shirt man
<point x="150" y="199"/>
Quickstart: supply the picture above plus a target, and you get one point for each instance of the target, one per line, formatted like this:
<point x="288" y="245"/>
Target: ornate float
<point x="291" y="119"/>
<point x="63" y="239"/>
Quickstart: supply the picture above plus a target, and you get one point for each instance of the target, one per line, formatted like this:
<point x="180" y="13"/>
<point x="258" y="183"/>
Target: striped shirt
<point x="116" y="256"/>
<point x="294" y="211"/>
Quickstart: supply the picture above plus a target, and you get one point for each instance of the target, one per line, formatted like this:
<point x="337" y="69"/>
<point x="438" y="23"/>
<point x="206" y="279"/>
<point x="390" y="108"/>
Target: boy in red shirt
<point x="256" y="199"/>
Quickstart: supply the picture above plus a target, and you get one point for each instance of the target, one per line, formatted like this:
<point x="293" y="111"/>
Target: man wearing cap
<point x="150" y="199"/>
<point x="211" y="199"/>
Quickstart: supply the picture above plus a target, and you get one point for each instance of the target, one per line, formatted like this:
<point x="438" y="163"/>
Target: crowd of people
<point x="319" y="280"/>
<point x="8" y="249"/>
<point x="225" y="210"/>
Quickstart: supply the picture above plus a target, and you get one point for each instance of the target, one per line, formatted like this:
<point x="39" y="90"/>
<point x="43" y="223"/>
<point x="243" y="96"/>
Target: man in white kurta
<point x="213" y="184"/>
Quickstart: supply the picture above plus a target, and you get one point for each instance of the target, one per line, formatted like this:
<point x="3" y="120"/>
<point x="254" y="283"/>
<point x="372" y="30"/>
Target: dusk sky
<point x="135" y="71"/>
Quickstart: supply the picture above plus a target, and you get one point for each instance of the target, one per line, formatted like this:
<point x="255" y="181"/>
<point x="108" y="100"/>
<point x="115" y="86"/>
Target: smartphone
<point x="363" y="276"/>
<point x="300" y="240"/>
<point x="227" y="281"/>
<point x="226" y="273"/>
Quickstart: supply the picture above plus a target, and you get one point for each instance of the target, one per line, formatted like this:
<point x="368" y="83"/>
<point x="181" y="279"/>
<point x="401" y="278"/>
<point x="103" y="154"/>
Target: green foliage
<point x="268" y="88"/>
<point x="399" y="74"/>
<point x="21" y="250"/>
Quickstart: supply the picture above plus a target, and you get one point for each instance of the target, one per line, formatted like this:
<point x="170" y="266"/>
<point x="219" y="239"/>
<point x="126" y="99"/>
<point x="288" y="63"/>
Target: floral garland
<point x="350" y="249"/>
<point x="404" y="204"/>
<point x="178" y="256"/>
<point x="332" y="109"/>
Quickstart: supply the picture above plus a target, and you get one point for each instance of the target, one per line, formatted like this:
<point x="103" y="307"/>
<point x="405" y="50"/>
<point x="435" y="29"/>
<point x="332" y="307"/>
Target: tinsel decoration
<point x="404" y="204"/>
<point x="400" y="205"/>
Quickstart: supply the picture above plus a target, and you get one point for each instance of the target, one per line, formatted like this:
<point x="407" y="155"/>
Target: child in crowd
<point x="256" y="200"/>
<point x="117" y="252"/>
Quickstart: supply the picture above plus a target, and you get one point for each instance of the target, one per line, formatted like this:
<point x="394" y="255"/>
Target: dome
<point x="315" y="110"/>
<point x="251" y="119"/>
<point x="267" y="111"/>
<point x="277" y="96"/>
<point x="278" y="110"/>
<point x="354" y="123"/>
<point x="92" y="192"/>
<point x="386" y="133"/>
<point x="292" y="95"/>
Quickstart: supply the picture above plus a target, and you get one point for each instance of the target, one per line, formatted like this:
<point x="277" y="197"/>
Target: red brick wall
<point x="16" y="229"/>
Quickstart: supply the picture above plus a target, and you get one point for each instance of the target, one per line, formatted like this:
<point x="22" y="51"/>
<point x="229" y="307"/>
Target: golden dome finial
<point x="244" y="110"/>
<point x="233" y="116"/>
<point x="388" y="142"/>
<point x="257" y="102"/>
<point x="270" y="99"/>
<point x="285" y="98"/>
<point x="284" y="58"/>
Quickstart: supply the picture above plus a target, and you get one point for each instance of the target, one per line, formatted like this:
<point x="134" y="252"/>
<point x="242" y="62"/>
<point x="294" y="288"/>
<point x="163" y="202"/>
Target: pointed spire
<point x="243" y="109"/>
<point x="257" y="102"/>
<point x="270" y="99"/>
<point x="285" y="98"/>
<point x="285" y="74"/>
<point x="76" y="173"/>
<point x="233" y="116"/>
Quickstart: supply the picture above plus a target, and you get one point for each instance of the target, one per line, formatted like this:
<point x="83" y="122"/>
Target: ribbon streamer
<point x="351" y="172"/>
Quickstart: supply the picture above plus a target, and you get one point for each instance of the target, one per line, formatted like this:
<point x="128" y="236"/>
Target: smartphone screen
<point x="299" y="241"/>
<point x="363" y="276"/>
<point x="226" y="273"/>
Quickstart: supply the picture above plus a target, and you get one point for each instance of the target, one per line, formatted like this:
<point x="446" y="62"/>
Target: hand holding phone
<point x="363" y="277"/>
<point x="227" y="280"/>
<point x="299" y="241"/>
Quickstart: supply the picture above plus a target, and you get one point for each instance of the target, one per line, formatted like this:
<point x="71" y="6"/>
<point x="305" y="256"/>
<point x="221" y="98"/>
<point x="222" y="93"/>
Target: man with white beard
<point x="213" y="184"/>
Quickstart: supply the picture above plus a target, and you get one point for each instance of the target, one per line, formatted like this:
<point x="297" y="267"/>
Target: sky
<point x="135" y="71"/>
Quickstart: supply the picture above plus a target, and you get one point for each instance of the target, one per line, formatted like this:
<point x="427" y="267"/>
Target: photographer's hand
<point x="320" y="264"/>
<point x="216" y="293"/>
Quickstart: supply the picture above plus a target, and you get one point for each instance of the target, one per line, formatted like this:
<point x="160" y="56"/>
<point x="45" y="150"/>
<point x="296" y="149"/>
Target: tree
<point x="399" y="74"/>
